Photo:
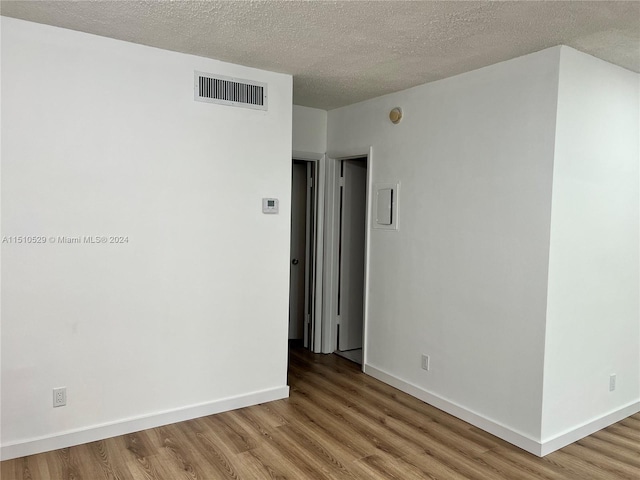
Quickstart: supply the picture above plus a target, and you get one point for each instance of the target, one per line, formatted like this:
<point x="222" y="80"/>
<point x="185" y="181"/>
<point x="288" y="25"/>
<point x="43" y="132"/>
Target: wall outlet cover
<point x="425" y="362"/>
<point x="60" y="396"/>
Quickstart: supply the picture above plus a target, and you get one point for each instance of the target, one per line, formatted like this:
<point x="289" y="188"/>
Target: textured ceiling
<point x="342" y="52"/>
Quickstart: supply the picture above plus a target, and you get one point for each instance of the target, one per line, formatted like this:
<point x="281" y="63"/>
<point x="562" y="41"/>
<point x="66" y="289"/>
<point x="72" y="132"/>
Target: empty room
<point x="320" y="240"/>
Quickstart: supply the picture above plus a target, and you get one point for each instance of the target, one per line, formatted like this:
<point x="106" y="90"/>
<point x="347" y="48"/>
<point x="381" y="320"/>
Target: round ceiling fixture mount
<point x="395" y="115"/>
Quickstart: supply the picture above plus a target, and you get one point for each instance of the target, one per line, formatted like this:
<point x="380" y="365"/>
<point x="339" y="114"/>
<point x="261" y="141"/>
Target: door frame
<point x="331" y="244"/>
<point x="315" y="343"/>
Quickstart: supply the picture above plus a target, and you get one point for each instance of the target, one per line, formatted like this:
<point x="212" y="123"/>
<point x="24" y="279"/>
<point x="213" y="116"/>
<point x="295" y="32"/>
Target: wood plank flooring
<point x="337" y="424"/>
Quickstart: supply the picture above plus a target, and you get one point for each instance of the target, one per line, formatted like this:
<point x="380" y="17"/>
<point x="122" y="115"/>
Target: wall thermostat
<point x="269" y="205"/>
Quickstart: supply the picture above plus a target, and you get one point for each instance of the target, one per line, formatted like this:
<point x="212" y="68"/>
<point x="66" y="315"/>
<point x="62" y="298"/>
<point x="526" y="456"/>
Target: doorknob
<point x="295" y="261"/>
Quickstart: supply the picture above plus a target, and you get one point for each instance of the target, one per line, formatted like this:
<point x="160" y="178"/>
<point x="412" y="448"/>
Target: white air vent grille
<point x="230" y="91"/>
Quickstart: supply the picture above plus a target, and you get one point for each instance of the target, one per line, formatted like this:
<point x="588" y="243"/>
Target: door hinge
<point x="341" y="182"/>
<point x="310" y="182"/>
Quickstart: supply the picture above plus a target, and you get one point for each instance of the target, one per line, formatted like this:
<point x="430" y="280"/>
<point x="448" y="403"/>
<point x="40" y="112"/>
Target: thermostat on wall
<point x="269" y="205"/>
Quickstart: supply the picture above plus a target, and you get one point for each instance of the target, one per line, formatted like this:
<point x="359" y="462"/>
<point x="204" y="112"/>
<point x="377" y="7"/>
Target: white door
<point x="351" y="254"/>
<point x="298" y="251"/>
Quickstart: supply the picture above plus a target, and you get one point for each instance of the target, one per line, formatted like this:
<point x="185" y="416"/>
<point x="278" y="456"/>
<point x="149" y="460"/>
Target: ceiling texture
<point x="343" y="52"/>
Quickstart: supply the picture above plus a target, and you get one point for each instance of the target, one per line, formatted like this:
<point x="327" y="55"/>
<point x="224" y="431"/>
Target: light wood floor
<point x="337" y="424"/>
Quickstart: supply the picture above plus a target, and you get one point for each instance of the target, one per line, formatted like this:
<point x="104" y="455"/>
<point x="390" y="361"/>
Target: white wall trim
<point x="299" y="155"/>
<point x="99" y="432"/>
<point x="330" y="248"/>
<point x="348" y="153"/>
<point x="516" y="438"/>
<point x="332" y="229"/>
<point x="321" y="168"/>
<point x="501" y="431"/>
<point x="575" y="434"/>
<point x="367" y="257"/>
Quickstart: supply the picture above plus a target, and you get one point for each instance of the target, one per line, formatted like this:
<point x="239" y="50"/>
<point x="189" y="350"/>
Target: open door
<point x="304" y="244"/>
<point x="298" y="251"/>
<point x="351" y="253"/>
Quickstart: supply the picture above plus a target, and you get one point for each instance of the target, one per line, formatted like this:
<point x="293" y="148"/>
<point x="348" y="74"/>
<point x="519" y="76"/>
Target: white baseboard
<point x="507" y="434"/>
<point x="122" y="427"/>
<point x="575" y="434"/>
<point x="523" y="441"/>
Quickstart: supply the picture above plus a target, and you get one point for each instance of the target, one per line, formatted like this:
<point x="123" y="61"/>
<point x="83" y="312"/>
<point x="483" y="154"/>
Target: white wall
<point x="103" y="137"/>
<point x="593" y="326"/>
<point x="309" y="130"/>
<point x="464" y="279"/>
<point x="1" y="36"/>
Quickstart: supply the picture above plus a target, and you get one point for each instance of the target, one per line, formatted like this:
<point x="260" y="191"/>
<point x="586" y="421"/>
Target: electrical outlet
<point x="612" y="382"/>
<point x="60" y="396"/>
<point x="425" y="362"/>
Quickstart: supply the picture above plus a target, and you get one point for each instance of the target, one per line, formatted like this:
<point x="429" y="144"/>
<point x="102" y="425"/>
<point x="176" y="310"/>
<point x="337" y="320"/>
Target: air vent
<point x="230" y="91"/>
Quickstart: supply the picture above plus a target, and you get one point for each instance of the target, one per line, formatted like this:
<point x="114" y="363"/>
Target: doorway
<point x="351" y="258"/>
<point x="304" y="223"/>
